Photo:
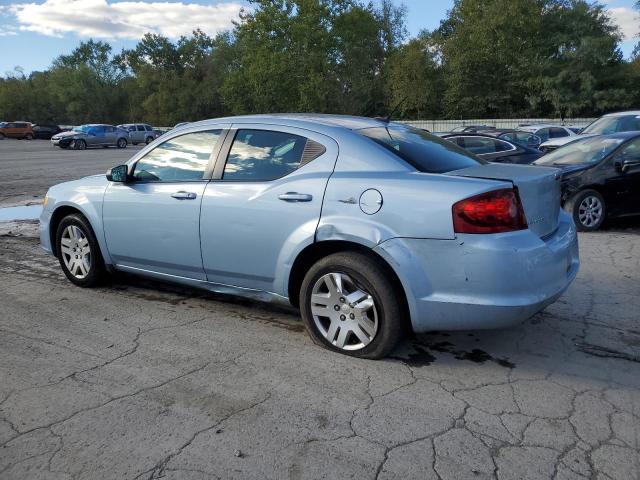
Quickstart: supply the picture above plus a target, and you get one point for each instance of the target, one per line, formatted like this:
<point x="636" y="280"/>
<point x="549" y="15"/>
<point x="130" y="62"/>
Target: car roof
<point x="538" y="126"/>
<point x="622" y="114"/>
<point x="344" y="121"/>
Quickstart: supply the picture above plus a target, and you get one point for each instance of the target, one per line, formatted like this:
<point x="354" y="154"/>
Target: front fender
<point x="85" y="197"/>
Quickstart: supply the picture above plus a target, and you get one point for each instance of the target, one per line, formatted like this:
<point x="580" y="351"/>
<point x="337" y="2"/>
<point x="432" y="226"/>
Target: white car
<point x="549" y="131"/>
<point x="610" y="123"/>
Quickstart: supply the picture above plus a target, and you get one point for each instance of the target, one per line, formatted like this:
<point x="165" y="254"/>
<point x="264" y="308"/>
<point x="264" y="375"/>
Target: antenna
<point x="387" y="119"/>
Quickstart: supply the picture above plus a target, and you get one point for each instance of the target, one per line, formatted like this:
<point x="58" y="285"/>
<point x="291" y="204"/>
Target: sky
<point x="34" y="32"/>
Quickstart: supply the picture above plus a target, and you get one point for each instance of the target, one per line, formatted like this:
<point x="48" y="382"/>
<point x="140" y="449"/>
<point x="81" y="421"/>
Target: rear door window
<point x="140" y="128"/>
<point x="264" y="155"/>
<point x="425" y="152"/>
<point x="543" y="133"/>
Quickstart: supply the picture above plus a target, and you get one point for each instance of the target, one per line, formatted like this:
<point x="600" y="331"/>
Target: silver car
<point x="91" y="135"/>
<point x="368" y="227"/>
<point x="140" y="132"/>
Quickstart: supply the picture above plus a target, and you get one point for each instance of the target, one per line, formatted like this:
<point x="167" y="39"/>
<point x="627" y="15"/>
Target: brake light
<point x="492" y="212"/>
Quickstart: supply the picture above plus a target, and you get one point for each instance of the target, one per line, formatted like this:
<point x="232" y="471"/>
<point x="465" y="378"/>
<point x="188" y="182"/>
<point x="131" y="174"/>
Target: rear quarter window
<point x="425" y="152"/>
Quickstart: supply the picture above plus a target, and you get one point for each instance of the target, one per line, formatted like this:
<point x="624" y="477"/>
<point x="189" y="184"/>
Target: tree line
<point x="487" y="59"/>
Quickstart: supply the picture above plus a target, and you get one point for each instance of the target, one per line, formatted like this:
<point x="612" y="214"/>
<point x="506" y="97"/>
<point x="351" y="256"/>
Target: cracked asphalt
<point x="144" y="380"/>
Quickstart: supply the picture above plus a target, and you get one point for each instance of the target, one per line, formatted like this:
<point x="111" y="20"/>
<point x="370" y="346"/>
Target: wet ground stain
<point x="423" y="355"/>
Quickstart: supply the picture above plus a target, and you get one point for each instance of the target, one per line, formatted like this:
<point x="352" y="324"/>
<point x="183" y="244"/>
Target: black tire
<point x="148" y="140"/>
<point x="587" y="221"/>
<point x="28" y="136"/>
<point x="79" y="144"/>
<point x="97" y="272"/>
<point x="2" y="136"/>
<point x="122" y="143"/>
<point x="371" y="277"/>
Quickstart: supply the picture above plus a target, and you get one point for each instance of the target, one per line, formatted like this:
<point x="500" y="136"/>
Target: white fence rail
<point x="447" y="125"/>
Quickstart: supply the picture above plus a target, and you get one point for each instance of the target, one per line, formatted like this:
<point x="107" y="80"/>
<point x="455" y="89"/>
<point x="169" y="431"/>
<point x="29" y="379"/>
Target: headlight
<point x="45" y="201"/>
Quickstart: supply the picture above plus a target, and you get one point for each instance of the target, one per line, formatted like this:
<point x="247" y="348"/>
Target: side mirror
<point x="623" y="164"/>
<point x="118" y="174"/>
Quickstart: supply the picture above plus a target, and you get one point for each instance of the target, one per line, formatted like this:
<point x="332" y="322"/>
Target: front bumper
<point x="483" y="281"/>
<point x="61" y="142"/>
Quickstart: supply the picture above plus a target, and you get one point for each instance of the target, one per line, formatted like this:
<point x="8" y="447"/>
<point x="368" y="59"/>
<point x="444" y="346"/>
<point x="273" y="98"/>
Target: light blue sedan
<point x="369" y="227"/>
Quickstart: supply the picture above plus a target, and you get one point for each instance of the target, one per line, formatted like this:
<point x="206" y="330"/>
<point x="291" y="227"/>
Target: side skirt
<point x="258" y="295"/>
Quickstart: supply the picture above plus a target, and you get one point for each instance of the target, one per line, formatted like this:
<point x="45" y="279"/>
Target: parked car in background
<point x="363" y="224"/>
<point x="471" y="128"/>
<point x="139" y="132"/>
<point x="45" y="132"/>
<point x="548" y="131"/>
<point x="519" y="136"/>
<point x="14" y="129"/>
<point x="610" y="123"/>
<point x="494" y="149"/>
<point x="600" y="177"/>
<point x="92" y="135"/>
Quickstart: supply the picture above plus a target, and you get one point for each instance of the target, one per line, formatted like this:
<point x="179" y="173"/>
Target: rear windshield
<point x="425" y="152"/>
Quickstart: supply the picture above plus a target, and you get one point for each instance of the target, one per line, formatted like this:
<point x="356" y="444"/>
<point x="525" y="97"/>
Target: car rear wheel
<point x="148" y="140"/>
<point x="28" y="136"/>
<point x="79" y="144"/>
<point x="588" y="210"/>
<point x="122" y="143"/>
<point x="78" y="252"/>
<point x="349" y="305"/>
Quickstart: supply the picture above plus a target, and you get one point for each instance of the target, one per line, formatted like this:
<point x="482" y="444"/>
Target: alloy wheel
<point x="76" y="251"/>
<point x="343" y="312"/>
<point x="590" y="211"/>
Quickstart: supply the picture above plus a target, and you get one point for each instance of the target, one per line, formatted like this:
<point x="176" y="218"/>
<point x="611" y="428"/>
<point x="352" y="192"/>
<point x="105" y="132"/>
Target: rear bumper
<point x="483" y="281"/>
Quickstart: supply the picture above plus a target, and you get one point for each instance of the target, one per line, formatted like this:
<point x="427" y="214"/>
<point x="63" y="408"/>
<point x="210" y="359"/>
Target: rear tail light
<point x="492" y="212"/>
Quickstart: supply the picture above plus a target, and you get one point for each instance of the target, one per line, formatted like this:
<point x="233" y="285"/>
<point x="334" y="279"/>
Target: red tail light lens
<point x="492" y="212"/>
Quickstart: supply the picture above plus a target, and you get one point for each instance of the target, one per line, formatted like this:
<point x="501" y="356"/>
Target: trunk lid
<point x="538" y="187"/>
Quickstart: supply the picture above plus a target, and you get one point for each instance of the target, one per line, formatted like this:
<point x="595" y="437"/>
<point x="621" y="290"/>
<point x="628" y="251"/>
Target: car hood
<point x="568" y="169"/>
<point x="558" y="142"/>
<point x="67" y="134"/>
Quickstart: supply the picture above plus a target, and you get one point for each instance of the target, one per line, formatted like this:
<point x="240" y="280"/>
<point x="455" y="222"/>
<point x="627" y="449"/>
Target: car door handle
<point x="295" y="197"/>
<point x="184" y="195"/>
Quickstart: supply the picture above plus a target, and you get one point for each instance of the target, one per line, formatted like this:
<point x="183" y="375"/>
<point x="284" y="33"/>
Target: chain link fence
<point x="448" y="125"/>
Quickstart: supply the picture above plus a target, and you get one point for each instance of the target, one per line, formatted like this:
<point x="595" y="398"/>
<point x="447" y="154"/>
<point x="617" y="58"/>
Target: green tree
<point x="414" y="80"/>
<point x="517" y="57"/>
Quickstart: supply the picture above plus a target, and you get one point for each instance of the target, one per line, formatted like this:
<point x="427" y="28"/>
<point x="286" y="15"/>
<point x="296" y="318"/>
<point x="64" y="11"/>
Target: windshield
<point x="2" y="124"/>
<point x="81" y="128"/>
<point x="426" y="152"/>
<point x="605" y="125"/>
<point x="587" y="150"/>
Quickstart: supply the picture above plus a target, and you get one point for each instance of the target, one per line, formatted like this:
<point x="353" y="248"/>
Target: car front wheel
<point x="349" y="305"/>
<point x="122" y="143"/>
<point x="79" y="144"/>
<point x="78" y="251"/>
<point x="588" y="210"/>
